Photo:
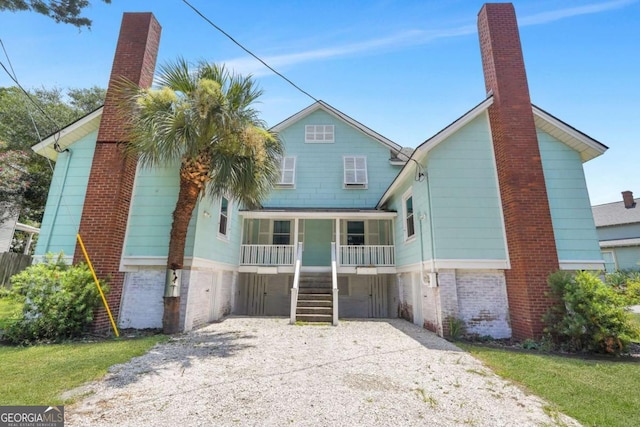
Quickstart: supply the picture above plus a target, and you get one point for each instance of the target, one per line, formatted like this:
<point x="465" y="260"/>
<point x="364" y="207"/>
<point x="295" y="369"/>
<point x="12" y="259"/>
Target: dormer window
<point x="319" y="134"/>
<point x="355" y="172"/>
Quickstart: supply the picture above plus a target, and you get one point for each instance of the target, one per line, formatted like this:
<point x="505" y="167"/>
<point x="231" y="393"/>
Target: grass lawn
<point x="595" y="392"/>
<point x="37" y="375"/>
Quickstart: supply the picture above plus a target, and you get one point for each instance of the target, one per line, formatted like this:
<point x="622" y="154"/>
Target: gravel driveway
<point x="263" y="371"/>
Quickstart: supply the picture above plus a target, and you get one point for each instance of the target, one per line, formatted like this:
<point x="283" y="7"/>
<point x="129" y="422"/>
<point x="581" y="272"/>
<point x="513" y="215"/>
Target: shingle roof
<point x="616" y="214"/>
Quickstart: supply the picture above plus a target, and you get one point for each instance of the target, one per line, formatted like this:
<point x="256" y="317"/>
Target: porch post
<point x="338" y="242"/>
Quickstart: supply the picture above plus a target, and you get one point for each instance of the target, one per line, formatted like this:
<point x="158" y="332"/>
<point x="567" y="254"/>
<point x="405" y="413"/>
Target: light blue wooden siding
<point x="466" y="210"/>
<point x="319" y="167"/>
<point x="154" y="200"/>
<point x="628" y="258"/>
<point x="66" y="198"/>
<point x="206" y="242"/>
<point x="410" y="251"/>
<point x="616" y="232"/>
<point x="150" y="217"/>
<point x="571" y="215"/>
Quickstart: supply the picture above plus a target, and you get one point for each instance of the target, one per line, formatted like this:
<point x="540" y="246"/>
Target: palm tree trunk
<point x="187" y="199"/>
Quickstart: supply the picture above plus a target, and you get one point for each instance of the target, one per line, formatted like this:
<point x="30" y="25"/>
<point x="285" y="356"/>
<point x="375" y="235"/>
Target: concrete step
<point x="315" y="303"/>
<point x="314" y="310"/>
<point x="315" y="297"/>
<point x="314" y="318"/>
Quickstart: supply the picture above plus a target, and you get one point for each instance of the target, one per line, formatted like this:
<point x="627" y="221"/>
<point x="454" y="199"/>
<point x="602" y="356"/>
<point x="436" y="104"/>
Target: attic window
<point x="287" y="172"/>
<point x="319" y="134"/>
<point x="355" y="172"/>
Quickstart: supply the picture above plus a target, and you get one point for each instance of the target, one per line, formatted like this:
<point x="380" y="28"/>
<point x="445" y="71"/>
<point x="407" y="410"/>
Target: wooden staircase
<point x="315" y="303"/>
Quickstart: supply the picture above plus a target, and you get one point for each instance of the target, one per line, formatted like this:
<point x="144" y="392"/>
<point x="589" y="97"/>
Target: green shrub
<point x="589" y="315"/>
<point x="632" y="292"/>
<point x="59" y="301"/>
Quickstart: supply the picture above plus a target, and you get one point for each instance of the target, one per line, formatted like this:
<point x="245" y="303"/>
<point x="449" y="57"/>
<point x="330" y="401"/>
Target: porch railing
<point x="266" y="255"/>
<point x="294" y="287"/>
<point x="367" y="255"/>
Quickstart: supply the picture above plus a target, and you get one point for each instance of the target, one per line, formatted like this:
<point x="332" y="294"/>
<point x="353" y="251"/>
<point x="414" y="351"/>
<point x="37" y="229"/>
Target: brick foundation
<point x="530" y="238"/>
<point x="106" y="207"/>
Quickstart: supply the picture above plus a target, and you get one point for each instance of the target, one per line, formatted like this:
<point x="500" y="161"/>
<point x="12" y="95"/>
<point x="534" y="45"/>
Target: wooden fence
<point x="10" y="264"/>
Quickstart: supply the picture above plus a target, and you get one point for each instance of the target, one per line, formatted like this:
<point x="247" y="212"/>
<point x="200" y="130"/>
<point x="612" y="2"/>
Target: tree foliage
<point x="204" y="120"/>
<point x="65" y="11"/>
<point x="21" y="126"/>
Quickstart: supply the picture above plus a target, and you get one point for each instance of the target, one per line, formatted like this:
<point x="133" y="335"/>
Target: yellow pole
<point x="95" y="278"/>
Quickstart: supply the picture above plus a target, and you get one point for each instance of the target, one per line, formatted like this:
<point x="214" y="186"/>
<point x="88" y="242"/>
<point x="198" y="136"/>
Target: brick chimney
<point x="627" y="197"/>
<point x="530" y="238"/>
<point x="106" y="206"/>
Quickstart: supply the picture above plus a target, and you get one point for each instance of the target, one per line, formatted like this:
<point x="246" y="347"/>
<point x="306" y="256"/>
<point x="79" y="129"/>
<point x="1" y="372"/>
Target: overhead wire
<point x="210" y="22"/>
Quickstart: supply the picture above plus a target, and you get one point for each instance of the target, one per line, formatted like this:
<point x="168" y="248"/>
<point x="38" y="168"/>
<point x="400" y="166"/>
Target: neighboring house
<point x="618" y="227"/>
<point x="467" y="226"/>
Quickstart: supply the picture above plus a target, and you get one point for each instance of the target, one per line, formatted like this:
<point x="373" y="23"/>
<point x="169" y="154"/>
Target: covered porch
<point x="364" y="241"/>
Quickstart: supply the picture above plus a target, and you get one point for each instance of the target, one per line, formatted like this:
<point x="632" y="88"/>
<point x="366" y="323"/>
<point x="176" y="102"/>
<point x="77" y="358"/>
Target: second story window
<point x="287" y="172"/>
<point x="409" y="229"/>
<point x="319" y="133"/>
<point x="355" y="171"/>
<point x="224" y="217"/>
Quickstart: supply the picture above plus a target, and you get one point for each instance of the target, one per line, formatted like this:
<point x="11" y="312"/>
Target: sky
<point x="404" y="68"/>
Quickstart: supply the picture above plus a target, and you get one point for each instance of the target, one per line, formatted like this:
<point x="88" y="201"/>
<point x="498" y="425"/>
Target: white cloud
<point x="247" y="65"/>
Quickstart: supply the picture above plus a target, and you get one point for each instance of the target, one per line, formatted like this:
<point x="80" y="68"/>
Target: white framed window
<point x="407" y="214"/>
<point x="355" y="171"/>
<point x="609" y="258"/>
<point x="287" y="172"/>
<point x="322" y="134"/>
<point x="223" y="222"/>
<point x="355" y="233"/>
<point x="281" y="232"/>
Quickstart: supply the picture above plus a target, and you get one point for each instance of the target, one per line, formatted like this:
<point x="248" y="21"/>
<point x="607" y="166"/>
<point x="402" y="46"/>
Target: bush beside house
<point x="59" y="302"/>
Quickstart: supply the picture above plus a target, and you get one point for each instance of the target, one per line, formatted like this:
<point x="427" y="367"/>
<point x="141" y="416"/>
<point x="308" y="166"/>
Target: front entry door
<point x="318" y="234"/>
<point x="256" y="293"/>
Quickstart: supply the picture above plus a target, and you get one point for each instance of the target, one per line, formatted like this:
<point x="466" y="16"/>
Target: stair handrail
<point x="334" y="282"/>
<point x="296" y="283"/>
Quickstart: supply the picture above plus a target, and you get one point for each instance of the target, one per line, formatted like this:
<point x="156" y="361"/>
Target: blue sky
<point x="404" y="68"/>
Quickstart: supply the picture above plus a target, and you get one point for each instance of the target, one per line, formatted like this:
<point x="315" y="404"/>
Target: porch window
<point x="355" y="171"/>
<point x="408" y="216"/>
<point x="355" y="233"/>
<point x="224" y="216"/>
<point x="319" y="134"/>
<point x="281" y="232"/>
<point x="287" y="172"/>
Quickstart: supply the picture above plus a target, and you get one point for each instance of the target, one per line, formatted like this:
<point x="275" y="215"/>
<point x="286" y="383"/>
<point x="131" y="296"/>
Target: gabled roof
<point x="588" y="147"/>
<point x="68" y="135"/>
<point x="321" y="105"/>
<point x="616" y="214"/>
<point x="432" y="142"/>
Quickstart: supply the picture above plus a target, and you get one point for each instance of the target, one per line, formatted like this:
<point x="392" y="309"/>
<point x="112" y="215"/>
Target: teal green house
<point x="357" y="226"/>
<point x="407" y="224"/>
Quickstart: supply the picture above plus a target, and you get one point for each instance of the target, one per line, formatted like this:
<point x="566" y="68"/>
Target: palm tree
<point x="204" y="119"/>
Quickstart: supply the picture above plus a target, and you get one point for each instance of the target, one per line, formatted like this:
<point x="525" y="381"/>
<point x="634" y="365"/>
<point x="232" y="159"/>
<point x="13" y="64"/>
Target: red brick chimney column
<point x="106" y="207"/>
<point x="530" y="238"/>
<point x="627" y="198"/>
